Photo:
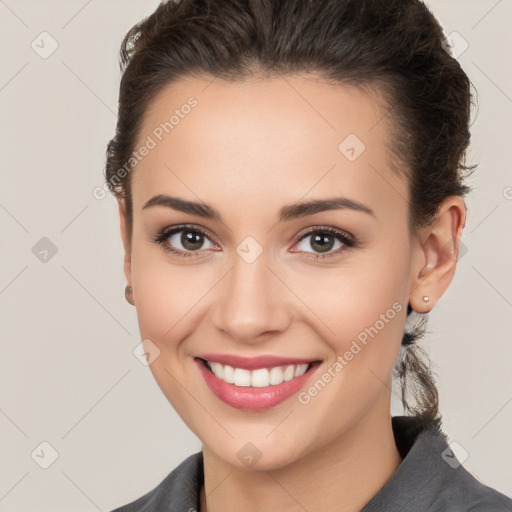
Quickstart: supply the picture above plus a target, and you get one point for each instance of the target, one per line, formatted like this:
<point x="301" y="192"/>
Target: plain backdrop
<point x="68" y="375"/>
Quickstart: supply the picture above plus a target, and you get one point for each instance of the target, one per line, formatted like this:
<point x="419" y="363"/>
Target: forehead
<point x="279" y="137"/>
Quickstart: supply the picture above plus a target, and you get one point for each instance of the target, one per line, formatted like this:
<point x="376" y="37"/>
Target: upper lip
<point x="252" y="363"/>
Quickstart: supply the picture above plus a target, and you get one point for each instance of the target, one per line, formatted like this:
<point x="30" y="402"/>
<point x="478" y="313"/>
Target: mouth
<point x="258" y="377"/>
<point x="255" y="389"/>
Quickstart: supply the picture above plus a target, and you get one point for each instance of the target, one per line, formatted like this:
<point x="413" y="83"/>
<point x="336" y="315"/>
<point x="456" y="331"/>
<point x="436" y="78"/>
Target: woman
<point x="289" y="177"/>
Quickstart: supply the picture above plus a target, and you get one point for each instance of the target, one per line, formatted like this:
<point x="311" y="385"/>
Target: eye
<point x="189" y="241"/>
<point x="323" y="240"/>
<point x="184" y="240"/>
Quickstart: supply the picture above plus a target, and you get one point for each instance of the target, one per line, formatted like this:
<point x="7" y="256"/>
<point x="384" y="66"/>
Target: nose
<point x="252" y="302"/>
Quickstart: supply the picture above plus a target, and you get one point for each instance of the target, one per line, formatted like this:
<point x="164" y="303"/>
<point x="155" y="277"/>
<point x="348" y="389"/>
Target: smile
<point x="255" y="389"/>
<point x="259" y="378"/>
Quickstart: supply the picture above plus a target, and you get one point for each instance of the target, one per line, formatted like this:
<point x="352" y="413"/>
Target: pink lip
<point x="253" y="363"/>
<point x="252" y="398"/>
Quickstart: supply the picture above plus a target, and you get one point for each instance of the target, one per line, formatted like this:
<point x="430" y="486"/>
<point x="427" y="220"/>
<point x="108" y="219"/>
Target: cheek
<point x="361" y="321"/>
<point x="168" y="300"/>
<point x="158" y="303"/>
<point x="163" y="301"/>
<point x="169" y="297"/>
<point x="360" y="309"/>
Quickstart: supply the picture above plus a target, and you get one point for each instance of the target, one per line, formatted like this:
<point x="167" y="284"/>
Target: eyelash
<point x="347" y="240"/>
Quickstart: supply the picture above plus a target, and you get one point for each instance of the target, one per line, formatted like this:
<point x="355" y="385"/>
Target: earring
<point x="426" y="298"/>
<point x="128" y="294"/>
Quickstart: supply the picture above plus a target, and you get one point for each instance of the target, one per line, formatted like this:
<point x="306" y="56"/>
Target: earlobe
<point x="438" y="252"/>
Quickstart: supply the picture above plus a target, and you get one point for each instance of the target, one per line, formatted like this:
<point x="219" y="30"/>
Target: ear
<point x="125" y="236"/>
<point x="436" y="253"/>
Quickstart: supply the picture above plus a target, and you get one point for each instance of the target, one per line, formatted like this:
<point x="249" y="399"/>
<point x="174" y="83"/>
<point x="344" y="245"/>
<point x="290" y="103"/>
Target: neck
<point x="344" y="474"/>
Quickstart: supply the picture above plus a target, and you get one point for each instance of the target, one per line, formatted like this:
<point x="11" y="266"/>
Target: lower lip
<point x="252" y="398"/>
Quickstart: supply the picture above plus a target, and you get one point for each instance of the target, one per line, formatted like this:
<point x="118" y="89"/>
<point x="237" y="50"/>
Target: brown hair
<point x="394" y="46"/>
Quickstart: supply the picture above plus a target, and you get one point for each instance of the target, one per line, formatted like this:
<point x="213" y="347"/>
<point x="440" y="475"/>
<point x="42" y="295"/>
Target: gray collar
<point x="429" y="479"/>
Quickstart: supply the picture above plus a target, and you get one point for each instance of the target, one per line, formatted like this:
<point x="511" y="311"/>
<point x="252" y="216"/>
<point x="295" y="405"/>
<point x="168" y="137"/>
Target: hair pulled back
<point x="394" y="46"/>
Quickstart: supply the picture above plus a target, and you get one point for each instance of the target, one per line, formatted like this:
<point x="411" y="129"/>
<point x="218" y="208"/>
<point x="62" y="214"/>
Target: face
<point x="247" y="274"/>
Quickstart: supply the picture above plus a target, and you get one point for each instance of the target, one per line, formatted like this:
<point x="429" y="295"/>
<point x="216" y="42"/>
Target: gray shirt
<point x="429" y="479"/>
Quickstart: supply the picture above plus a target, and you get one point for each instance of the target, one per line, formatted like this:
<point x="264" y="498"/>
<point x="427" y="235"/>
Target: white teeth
<point x="289" y="373"/>
<point x="301" y="369"/>
<point x="260" y="378"/>
<point x="229" y="373"/>
<point x="242" y="377"/>
<point x="218" y="369"/>
<point x="276" y="375"/>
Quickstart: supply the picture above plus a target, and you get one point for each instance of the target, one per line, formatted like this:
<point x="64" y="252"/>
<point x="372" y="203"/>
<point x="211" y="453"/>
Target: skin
<point x="249" y="148"/>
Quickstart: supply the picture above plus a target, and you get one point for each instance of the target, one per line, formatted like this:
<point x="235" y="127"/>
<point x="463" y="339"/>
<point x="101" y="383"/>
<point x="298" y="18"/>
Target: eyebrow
<point x="288" y="212"/>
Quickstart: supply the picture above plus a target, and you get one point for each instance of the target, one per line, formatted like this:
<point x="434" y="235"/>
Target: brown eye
<point x="324" y="242"/>
<point x="320" y="242"/>
<point x="188" y="240"/>
<point x="184" y="241"/>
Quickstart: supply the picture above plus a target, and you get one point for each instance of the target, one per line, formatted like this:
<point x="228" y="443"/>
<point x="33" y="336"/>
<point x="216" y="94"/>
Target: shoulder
<point x="178" y="491"/>
<point x="460" y="491"/>
<point x="431" y="478"/>
<point x="456" y="489"/>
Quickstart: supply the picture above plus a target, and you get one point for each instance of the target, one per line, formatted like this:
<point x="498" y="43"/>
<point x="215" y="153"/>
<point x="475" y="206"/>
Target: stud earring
<point x="426" y="298"/>
<point x="128" y="294"/>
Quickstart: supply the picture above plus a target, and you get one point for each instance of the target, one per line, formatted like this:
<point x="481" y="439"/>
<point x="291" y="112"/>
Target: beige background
<point x="67" y="372"/>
